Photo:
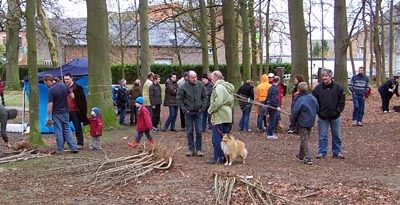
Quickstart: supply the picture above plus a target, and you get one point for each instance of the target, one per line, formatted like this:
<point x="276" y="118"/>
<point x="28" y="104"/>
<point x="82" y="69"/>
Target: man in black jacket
<point x="331" y="100"/>
<point x="77" y="108"/>
<point x="192" y="99"/>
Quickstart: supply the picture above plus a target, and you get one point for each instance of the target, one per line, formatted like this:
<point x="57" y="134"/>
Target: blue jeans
<point x="173" y="112"/>
<point x="323" y="126"/>
<point x="273" y="119"/>
<point x="193" y="122"/>
<point x="358" y="105"/>
<point x="205" y="119"/>
<point x="63" y="132"/>
<point x="244" y="120"/>
<point x="122" y="112"/>
<point x="217" y="134"/>
<point x="261" y="114"/>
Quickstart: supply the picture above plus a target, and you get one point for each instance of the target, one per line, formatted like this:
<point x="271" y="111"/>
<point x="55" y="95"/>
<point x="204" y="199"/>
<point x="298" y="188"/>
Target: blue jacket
<point x="304" y="110"/>
<point x="273" y="96"/>
<point x="359" y="84"/>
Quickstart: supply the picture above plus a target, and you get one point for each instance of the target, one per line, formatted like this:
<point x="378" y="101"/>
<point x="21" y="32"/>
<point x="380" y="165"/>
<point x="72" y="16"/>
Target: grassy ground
<point x="15" y="98"/>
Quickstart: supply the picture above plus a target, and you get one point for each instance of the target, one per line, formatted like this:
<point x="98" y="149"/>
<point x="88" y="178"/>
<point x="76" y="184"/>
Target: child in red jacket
<point x="96" y="129"/>
<point x="143" y="123"/>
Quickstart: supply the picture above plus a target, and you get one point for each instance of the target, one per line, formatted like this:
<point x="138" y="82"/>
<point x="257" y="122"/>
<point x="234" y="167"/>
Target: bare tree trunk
<point x="382" y="33"/>
<point x="204" y="35"/>
<point x="144" y="41"/>
<point x="353" y="66"/>
<point x="253" y="38"/>
<point x="391" y="40"/>
<point x="310" y="42"/>
<point x="99" y="60"/>
<point x="12" y="45"/>
<point x="377" y="47"/>
<point x="47" y="32"/>
<point x="177" y="49"/>
<point x="34" y="134"/>
<point x="213" y="32"/>
<point x="341" y="42"/>
<point x="137" y="37"/>
<point x="267" y="38"/>
<point x="121" y="45"/>
<point x="298" y="38"/>
<point x="260" y="40"/>
<point x="371" y="43"/>
<point x="230" y="41"/>
<point x="365" y="49"/>
<point x="245" y="42"/>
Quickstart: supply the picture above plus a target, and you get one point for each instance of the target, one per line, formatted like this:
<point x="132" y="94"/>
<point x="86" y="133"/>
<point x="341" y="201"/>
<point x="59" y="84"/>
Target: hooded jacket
<point x="144" y="120"/>
<point x="304" y="110"/>
<point x="221" y="103"/>
<point x="331" y="100"/>
<point x="262" y="89"/>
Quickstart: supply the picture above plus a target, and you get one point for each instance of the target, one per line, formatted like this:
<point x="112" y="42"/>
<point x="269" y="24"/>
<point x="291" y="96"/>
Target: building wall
<point x="23" y="50"/>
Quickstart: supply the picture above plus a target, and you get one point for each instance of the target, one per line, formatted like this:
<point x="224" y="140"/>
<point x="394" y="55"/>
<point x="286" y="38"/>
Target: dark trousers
<point x="173" y="110"/>
<point x="385" y="101"/>
<point x="305" y="151"/>
<point x="182" y="117"/>
<point x="193" y="124"/>
<point x="205" y="120"/>
<point x="273" y="119"/>
<point x="140" y="134"/>
<point x="2" y="99"/>
<point x="133" y="114"/>
<point x="76" y="121"/>
<point x="122" y="113"/>
<point x="217" y="134"/>
<point x="155" y="118"/>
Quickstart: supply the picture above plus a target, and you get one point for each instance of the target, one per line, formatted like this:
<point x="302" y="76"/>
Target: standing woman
<point x="171" y="88"/>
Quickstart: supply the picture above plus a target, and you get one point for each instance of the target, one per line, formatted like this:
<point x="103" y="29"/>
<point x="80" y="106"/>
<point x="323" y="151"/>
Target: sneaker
<point x="385" y="111"/>
<point x="290" y="131"/>
<point x="155" y="129"/>
<point x="248" y="130"/>
<point x="151" y="141"/>
<point x="359" y="124"/>
<point x="163" y="129"/>
<point x="272" y="137"/>
<point x="133" y="144"/>
<point x="299" y="158"/>
<point x="199" y="153"/>
<point x="75" y="151"/>
<point x="189" y="153"/>
<point x="354" y="123"/>
<point x="308" y="161"/>
<point x="338" y="156"/>
<point x="320" y="156"/>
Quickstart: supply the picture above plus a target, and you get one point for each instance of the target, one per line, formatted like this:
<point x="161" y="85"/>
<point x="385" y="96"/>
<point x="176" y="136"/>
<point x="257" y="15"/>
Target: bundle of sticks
<point x="21" y="155"/>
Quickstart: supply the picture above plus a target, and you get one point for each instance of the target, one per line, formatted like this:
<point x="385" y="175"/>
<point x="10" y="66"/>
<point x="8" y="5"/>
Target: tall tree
<point x="391" y="40"/>
<point x="260" y="39"/>
<point x="34" y="134"/>
<point x="298" y="38"/>
<point x="99" y="60"/>
<point x="245" y="41"/>
<point x="204" y="35"/>
<point x="121" y="44"/>
<point x="144" y="41"/>
<point x="213" y="32"/>
<point x="253" y="35"/>
<point x="377" y="45"/>
<point x="267" y="38"/>
<point x="365" y="40"/>
<point x="382" y="33"/>
<point x="47" y="32"/>
<point x="12" y="44"/>
<point x="230" y="41"/>
<point x="341" y="42"/>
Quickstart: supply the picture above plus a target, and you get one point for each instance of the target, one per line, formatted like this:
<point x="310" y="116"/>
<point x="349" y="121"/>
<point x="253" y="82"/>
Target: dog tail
<point x="244" y="156"/>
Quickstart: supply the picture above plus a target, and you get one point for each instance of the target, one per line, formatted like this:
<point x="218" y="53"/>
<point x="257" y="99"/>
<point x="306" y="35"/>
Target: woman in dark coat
<point x="171" y="87"/>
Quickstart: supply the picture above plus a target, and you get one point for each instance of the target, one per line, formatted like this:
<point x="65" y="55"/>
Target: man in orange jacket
<point x="260" y="97"/>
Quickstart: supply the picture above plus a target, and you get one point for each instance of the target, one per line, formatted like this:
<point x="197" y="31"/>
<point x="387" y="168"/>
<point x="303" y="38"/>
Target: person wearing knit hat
<point x="143" y="124"/>
<point x="96" y="129"/>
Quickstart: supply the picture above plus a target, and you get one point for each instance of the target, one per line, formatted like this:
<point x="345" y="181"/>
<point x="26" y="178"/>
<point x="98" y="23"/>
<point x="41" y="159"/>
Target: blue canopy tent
<point x="77" y="67"/>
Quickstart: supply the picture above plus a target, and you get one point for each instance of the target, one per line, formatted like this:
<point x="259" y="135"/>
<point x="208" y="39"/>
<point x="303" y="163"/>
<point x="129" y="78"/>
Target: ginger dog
<point x="233" y="149"/>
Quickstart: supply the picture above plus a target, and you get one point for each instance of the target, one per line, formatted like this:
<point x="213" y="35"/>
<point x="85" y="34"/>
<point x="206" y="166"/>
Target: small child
<point x="143" y="123"/>
<point x="96" y="129"/>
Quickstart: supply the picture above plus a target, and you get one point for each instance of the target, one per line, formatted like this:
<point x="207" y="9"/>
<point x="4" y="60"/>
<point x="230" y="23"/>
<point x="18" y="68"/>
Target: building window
<point x="46" y="62"/>
<point x="167" y="61"/>
<point x="360" y="51"/>
<point x="210" y="51"/>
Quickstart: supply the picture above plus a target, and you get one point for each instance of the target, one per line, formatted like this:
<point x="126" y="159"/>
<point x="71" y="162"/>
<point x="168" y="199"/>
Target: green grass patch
<point x="15" y="98"/>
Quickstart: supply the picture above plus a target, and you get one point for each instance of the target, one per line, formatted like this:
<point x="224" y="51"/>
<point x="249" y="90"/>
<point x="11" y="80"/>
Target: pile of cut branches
<point x="21" y="156"/>
<point x="225" y="187"/>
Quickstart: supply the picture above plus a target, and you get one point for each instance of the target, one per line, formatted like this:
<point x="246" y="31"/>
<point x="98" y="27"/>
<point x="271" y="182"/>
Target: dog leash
<point x="247" y="100"/>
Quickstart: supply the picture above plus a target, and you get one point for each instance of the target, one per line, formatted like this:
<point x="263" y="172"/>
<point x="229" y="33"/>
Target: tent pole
<point x="23" y="110"/>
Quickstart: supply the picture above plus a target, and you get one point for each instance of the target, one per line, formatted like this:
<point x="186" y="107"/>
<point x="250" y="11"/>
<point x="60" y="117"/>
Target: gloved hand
<point x="390" y="90"/>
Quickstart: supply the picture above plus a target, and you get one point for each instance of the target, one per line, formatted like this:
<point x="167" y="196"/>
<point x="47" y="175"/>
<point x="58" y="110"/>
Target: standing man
<point x="359" y="87"/>
<point x="122" y="101"/>
<point x="77" y="108"/>
<point x="331" y="100"/>
<point x="58" y="106"/>
<point x="221" y="105"/>
<point x="155" y="102"/>
<point x="146" y="90"/>
<point x="273" y="107"/>
<point x="191" y="98"/>
<point x="180" y="82"/>
<point x="205" y="117"/>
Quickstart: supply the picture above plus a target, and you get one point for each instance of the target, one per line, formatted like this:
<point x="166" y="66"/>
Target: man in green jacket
<point x="221" y="105"/>
<point x="192" y="99"/>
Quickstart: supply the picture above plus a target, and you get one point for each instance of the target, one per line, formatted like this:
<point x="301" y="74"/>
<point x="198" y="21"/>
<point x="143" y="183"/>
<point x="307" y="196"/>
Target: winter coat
<point x="171" y="88"/>
<point x="145" y="92"/>
<point x="273" y="98"/>
<point x="304" y="110"/>
<point x="222" y="101"/>
<point x="122" y="96"/>
<point x="262" y="89"/>
<point x="282" y="92"/>
<point x="155" y="94"/>
<point x="96" y="126"/>
<point x="134" y="92"/>
<point x="81" y="103"/>
<point x="390" y="87"/>
<point x="209" y="89"/>
<point x="359" y="84"/>
<point x="143" y="119"/>
<point x="192" y="97"/>
<point x="331" y="100"/>
<point x="247" y="92"/>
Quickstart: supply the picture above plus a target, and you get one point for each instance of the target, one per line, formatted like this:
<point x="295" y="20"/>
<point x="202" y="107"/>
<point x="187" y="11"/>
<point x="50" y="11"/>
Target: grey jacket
<point x="192" y="97"/>
<point x="171" y="88"/>
<point x="6" y="114"/>
<point x="155" y="94"/>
